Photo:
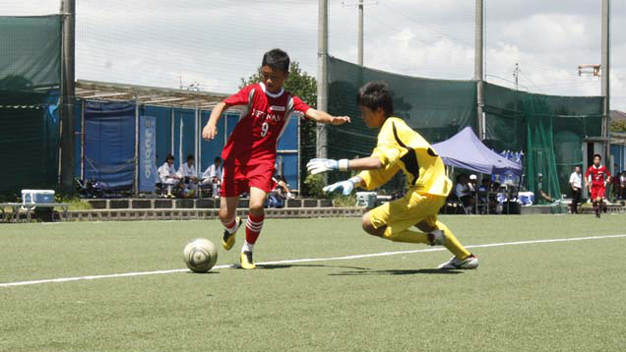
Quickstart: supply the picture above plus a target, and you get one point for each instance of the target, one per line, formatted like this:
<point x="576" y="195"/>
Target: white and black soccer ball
<point x="200" y="255"/>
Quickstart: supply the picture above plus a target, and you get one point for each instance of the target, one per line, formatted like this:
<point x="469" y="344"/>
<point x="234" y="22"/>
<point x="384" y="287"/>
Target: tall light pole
<point x="360" y="44"/>
<point x="68" y="13"/>
<point x="606" y="70"/>
<point x="478" y="68"/>
<point x="322" y="74"/>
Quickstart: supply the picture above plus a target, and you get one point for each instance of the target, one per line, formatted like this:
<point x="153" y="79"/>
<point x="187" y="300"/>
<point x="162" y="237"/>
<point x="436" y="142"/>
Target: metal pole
<point x="172" y="126"/>
<point x="199" y="156"/>
<point x="322" y="74"/>
<point x="82" y="140"/>
<point x="197" y="135"/>
<point x="299" y="156"/>
<point x="136" y="183"/>
<point x="478" y="68"/>
<point x="360" y="5"/>
<point x="606" y="69"/>
<point x="68" y="12"/>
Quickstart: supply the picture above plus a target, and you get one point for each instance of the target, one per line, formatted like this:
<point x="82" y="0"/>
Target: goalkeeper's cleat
<point x="470" y="262"/>
<point x="246" y="260"/>
<point x="436" y="238"/>
<point x="228" y="241"/>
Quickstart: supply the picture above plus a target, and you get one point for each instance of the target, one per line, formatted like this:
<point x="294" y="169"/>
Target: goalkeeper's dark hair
<point x="374" y="95"/>
<point x="276" y="59"/>
<point x="597" y="156"/>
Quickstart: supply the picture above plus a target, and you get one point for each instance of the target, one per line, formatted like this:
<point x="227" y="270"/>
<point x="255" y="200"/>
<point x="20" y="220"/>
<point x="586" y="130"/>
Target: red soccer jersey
<point x="256" y="135"/>
<point x="597" y="175"/>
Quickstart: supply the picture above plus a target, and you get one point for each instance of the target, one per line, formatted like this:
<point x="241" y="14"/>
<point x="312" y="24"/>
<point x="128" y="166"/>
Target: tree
<point x="618" y="126"/>
<point x="303" y="85"/>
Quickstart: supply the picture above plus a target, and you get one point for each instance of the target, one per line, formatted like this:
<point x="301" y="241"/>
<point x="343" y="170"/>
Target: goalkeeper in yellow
<point x="399" y="148"/>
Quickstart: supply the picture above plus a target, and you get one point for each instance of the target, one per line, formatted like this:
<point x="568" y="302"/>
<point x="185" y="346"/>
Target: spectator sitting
<point x="615" y="184"/>
<point x="213" y="176"/>
<point x="463" y="192"/>
<point x="472" y="184"/>
<point x="281" y="191"/>
<point x="622" y="179"/>
<point x="189" y="176"/>
<point x="168" y="175"/>
<point x="542" y="194"/>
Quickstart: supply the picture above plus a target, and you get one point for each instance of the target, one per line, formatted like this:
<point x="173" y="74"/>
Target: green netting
<point x="29" y="139"/>
<point x="30" y="61"/>
<point x="438" y="109"/>
<point x="31" y="52"/>
<point x="549" y="129"/>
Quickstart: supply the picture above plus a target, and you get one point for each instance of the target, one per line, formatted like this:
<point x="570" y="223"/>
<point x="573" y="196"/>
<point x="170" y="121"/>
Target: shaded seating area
<point x="466" y="151"/>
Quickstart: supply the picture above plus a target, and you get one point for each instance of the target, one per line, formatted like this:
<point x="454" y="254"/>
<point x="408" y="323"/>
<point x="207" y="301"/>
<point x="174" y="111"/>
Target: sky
<point x="215" y="43"/>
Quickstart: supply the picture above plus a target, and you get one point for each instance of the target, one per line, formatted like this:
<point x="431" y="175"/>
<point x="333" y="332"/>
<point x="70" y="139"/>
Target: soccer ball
<point x="200" y="255"/>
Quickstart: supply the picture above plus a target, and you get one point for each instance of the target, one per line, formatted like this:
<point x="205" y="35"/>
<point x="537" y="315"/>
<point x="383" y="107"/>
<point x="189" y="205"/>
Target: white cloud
<point x="216" y="42"/>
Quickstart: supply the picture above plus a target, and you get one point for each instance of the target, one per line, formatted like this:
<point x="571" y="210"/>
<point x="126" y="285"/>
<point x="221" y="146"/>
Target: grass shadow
<point x="207" y="273"/>
<point x="287" y="266"/>
<point x="399" y="272"/>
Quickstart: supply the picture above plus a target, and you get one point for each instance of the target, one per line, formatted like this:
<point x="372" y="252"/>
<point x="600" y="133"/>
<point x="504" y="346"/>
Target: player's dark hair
<point x="597" y="156"/>
<point x="190" y="157"/>
<point x="217" y="158"/>
<point x="169" y="157"/>
<point x="276" y="59"/>
<point x="374" y="95"/>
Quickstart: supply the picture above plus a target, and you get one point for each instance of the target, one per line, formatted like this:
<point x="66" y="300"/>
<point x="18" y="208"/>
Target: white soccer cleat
<point x="437" y="238"/>
<point x="470" y="262"/>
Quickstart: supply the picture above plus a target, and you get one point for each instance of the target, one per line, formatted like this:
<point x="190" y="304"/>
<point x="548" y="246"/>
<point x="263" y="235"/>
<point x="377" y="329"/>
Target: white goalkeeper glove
<point x="317" y="166"/>
<point x="345" y="187"/>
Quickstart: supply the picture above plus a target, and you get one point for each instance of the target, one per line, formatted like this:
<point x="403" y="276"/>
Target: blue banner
<point x="147" y="152"/>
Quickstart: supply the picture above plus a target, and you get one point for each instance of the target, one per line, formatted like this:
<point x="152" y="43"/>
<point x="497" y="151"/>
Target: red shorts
<point x="597" y="191"/>
<point x="237" y="179"/>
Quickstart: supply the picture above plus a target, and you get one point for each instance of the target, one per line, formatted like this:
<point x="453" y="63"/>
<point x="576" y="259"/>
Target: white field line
<point x="306" y="260"/>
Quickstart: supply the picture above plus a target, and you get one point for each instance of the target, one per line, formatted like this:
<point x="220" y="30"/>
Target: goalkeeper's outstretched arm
<point x="369" y="163"/>
<point x="317" y="166"/>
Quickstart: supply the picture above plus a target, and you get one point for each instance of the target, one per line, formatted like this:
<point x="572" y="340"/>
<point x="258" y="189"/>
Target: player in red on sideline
<point x="250" y="152"/>
<point x="598" y="175"/>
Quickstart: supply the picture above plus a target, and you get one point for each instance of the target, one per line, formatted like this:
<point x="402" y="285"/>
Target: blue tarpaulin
<point x="466" y="151"/>
<point x="110" y="143"/>
<point x="109" y="147"/>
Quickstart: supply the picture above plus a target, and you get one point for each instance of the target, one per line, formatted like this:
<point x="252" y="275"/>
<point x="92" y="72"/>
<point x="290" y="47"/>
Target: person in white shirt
<point x="189" y="176"/>
<point x="576" y="183"/>
<point x="168" y="175"/>
<point x="463" y="192"/>
<point x="213" y="176"/>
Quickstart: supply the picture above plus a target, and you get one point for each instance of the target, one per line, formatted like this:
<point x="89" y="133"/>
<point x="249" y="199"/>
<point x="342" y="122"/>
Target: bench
<point x="14" y="214"/>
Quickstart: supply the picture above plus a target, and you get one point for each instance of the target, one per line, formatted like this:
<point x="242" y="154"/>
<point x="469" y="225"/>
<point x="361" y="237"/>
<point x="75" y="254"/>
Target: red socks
<point x="253" y="228"/>
<point x="231" y="226"/>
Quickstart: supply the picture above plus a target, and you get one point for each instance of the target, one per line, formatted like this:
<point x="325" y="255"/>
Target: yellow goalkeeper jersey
<point x="401" y="148"/>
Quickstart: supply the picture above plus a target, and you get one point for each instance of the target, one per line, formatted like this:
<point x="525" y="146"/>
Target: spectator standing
<point x="576" y="183"/>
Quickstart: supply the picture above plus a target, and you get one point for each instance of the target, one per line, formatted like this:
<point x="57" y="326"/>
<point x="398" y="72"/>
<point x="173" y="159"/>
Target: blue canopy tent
<point x="465" y="150"/>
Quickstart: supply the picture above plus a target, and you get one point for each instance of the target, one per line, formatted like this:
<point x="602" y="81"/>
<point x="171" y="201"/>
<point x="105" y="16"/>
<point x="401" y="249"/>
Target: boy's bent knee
<point x="225" y="215"/>
<point x="369" y="228"/>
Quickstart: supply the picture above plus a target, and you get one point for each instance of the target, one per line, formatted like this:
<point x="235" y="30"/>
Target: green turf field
<point x="561" y="296"/>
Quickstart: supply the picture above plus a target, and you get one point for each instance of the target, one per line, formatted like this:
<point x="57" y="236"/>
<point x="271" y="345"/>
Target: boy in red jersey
<point x="598" y="176"/>
<point x="250" y="153"/>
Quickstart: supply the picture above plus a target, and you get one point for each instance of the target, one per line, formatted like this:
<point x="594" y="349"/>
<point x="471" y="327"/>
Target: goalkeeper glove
<point x="345" y="187"/>
<point x="317" y="166"/>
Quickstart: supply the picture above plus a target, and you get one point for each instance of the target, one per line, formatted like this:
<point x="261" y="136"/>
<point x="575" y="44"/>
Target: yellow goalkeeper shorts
<point x="399" y="215"/>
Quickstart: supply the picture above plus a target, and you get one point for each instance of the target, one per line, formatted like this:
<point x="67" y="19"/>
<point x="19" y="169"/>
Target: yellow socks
<point x="408" y="236"/>
<point x="452" y="244"/>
